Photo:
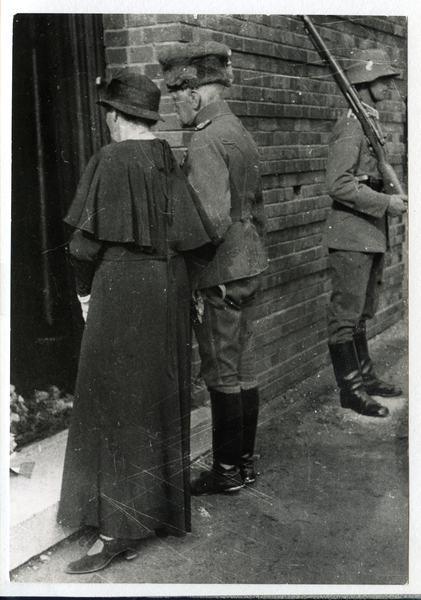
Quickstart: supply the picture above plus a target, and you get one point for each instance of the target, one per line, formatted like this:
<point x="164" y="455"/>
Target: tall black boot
<point x="227" y="427"/>
<point x="349" y="379"/>
<point x="250" y="399"/>
<point x="373" y="385"/>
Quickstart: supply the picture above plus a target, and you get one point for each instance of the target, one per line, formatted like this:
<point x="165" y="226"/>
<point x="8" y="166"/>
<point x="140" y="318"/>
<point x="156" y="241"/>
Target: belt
<point x="120" y="252"/>
<point x="373" y="183"/>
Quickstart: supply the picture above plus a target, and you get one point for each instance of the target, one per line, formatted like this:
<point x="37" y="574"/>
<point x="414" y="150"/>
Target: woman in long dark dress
<point x="127" y="457"/>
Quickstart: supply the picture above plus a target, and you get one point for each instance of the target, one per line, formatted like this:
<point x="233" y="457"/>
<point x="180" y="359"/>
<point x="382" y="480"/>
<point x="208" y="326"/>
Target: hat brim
<point x="129" y="109"/>
<point x="361" y="75"/>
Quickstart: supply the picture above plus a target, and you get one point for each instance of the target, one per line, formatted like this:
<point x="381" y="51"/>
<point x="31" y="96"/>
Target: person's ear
<point x="195" y="100"/>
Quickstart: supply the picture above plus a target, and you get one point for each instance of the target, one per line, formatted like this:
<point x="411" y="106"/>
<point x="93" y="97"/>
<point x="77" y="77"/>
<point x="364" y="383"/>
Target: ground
<point x="330" y="505"/>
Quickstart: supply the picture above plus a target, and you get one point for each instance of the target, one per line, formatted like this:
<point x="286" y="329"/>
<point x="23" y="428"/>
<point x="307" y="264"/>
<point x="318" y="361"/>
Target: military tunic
<point x="223" y="166"/>
<point x="358" y="219"/>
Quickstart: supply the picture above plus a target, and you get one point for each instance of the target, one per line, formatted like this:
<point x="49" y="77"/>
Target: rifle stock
<point x="390" y="180"/>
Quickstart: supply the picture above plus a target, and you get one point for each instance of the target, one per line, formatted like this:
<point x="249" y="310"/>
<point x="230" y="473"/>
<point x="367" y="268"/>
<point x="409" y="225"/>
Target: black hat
<point x="192" y="65"/>
<point x="368" y="65"/>
<point x="131" y="92"/>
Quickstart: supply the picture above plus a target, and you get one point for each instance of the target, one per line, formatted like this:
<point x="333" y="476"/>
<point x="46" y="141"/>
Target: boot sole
<point x="235" y="489"/>
<point x="384" y="395"/>
<point x="365" y="414"/>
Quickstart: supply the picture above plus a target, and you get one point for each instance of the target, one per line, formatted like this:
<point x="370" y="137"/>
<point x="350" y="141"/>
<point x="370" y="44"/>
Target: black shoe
<point x="349" y="378"/>
<point x="372" y="384"/>
<point x="361" y="403"/>
<point x="382" y="388"/>
<point x="217" y="481"/>
<point x="248" y="472"/>
<point x="96" y="562"/>
<point x="375" y="386"/>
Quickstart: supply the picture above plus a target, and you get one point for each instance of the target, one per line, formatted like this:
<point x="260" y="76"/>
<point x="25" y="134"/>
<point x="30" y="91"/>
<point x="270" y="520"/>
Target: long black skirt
<point x="126" y="467"/>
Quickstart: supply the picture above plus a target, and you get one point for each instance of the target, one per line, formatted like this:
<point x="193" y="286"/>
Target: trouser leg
<point x="356" y="278"/>
<point x="225" y="335"/>
<point x="373" y="291"/>
<point x="227" y="366"/>
<point x="218" y="339"/>
<point x="351" y="273"/>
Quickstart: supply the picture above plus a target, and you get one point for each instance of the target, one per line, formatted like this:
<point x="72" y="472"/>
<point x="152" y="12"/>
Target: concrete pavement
<point x="273" y="533"/>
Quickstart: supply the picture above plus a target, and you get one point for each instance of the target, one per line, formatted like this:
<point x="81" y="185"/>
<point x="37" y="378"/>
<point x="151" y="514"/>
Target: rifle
<point x="390" y="180"/>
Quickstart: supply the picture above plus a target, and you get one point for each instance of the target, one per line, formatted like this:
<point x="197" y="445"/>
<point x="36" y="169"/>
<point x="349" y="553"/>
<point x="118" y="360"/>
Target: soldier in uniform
<point x="223" y="166"/>
<point x="357" y="239"/>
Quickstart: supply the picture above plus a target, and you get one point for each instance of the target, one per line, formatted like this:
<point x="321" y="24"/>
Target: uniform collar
<point x="211" y="111"/>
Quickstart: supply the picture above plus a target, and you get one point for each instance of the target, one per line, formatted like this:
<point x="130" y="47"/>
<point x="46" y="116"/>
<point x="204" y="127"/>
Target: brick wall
<point x="288" y="100"/>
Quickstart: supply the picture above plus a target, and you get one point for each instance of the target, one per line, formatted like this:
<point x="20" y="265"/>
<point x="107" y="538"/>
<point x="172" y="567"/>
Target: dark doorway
<point x="56" y="127"/>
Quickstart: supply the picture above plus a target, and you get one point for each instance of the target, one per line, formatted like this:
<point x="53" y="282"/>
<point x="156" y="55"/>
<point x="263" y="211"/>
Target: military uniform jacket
<point x="223" y="166"/>
<point x="358" y="220"/>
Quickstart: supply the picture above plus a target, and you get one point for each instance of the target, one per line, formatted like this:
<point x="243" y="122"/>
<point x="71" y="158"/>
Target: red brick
<point x="136" y="37"/>
<point x="175" y="32"/>
<point x="113" y="21"/>
<point x="116" y="38"/>
<point x="141" y="20"/>
<point x="187" y="18"/>
<point x="287" y="98"/>
<point x="116" y="56"/>
<point x="141" y="54"/>
<point x="232" y="41"/>
<point x="153" y="71"/>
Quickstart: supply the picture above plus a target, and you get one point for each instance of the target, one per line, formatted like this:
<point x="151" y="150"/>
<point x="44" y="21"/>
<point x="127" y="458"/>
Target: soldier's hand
<point x="397" y="205"/>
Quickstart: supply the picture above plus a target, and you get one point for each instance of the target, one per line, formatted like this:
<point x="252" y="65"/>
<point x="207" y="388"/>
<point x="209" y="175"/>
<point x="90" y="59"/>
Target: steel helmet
<point x="364" y="66"/>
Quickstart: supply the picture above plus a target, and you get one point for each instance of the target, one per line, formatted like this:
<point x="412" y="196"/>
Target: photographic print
<point x="209" y="370"/>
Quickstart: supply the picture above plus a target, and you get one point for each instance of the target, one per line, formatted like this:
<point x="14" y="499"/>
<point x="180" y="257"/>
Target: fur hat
<point x="193" y="65"/>
<point x="132" y="93"/>
<point x="364" y="66"/>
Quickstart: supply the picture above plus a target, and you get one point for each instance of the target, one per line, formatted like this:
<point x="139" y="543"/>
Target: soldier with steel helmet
<point x="223" y="166"/>
<point x="357" y="237"/>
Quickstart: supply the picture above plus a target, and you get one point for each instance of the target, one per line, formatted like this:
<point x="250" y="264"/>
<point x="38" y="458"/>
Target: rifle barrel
<point x="390" y="179"/>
